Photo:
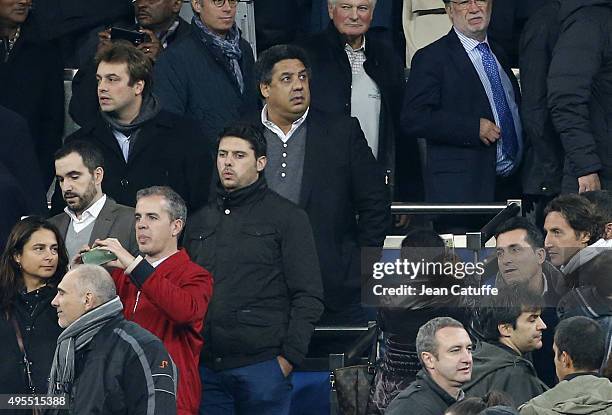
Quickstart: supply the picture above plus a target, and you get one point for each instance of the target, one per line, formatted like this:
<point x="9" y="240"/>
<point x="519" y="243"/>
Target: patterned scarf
<point x="228" y="46"/>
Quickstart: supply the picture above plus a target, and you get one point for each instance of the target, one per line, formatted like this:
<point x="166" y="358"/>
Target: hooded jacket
<point x="497" y="367"/>
<point x="581" y="394"/>
<point x="580" y="89"/>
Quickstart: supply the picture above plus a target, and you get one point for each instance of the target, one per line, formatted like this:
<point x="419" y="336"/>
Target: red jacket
<point x="171" y="302"/>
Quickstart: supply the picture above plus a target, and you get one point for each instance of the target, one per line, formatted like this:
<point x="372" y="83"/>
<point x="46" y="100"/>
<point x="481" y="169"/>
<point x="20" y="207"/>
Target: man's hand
<point x="104" y="39"/>
<point x="124" y="258"/>
<point x="152" y="47"/>
<point x="489" y="132"/>
<point x="76" y="259"/>
<point x="285" y="366"/>
<point x="589" y="182"/>
<point x="401" y="221"/>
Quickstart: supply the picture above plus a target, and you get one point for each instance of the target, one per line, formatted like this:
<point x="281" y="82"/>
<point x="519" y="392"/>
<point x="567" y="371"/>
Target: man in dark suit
<point x="323" y="163"/>
<point x="143" y="145"/>
<point x="463" y="100"/>
<point x="89" y="214"/>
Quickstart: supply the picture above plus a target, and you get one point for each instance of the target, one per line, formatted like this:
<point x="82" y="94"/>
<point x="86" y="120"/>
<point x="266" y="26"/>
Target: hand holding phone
<point x="97" y="256"/>
<point x="133" y="36"/>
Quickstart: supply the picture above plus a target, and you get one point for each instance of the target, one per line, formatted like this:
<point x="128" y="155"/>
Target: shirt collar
<point x="276" y="129"/>
<point x="468" y="43"/>
<point x="361" y="48"/>
<point x="93" y="211"/>
<point x="545" y="286"/>
<point x="154" y="264"/>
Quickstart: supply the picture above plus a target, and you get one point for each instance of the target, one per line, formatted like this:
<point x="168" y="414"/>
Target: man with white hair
<point x="359" y="75"/>
<point x="104" y="363"/>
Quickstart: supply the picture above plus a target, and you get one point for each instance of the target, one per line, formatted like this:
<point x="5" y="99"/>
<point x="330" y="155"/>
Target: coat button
<point x="124" y="182"/>
<point x="227" y="211"/>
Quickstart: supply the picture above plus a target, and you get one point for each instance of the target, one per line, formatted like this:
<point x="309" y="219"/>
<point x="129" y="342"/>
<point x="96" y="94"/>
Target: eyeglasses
<point x="464" y="4"/>
<point x="220" y="3"/>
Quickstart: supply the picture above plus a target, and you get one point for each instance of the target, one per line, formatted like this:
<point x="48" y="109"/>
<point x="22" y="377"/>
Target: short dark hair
<point x="534" y="237"/>
<point x="139" y="65"/>
<point x="583" y="340"/>
<point x="506" y="307"/>
<point x="250" y="133"/>
<point x="267" y="60"/>
<point x="89" y="152"/>
<point x="580" y="213"/>
<point x="602" y="200"/>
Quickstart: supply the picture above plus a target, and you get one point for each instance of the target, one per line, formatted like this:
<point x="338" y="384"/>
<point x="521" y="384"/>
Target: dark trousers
<point x="260" y="389"/>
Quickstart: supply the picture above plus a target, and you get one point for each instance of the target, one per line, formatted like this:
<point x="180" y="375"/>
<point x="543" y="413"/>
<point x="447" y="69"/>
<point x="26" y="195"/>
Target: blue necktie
<point x="508" y="133"/>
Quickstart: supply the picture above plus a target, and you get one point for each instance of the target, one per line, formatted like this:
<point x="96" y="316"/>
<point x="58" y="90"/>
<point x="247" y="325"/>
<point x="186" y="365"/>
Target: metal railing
<point x="400" y="208"/>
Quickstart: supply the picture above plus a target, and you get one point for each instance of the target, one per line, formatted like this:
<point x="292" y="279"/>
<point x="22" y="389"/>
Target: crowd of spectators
<point x="197" y="165"/>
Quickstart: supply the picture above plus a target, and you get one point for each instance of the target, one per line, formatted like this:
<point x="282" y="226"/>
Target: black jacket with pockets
<point x="268" y="291"/>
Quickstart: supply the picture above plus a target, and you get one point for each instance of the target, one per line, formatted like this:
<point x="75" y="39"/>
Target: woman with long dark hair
<point x="32" y="264"/>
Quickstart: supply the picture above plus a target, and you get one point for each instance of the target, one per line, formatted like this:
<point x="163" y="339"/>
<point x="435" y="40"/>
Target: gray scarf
<point x="149" y="109"/>
<point x="75" y="337"/>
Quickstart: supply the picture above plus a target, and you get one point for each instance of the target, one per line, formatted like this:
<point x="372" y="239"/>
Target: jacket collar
<point x="245" y="196"/>
<point x="424" y="375"/>
<point x="575" y="375"/>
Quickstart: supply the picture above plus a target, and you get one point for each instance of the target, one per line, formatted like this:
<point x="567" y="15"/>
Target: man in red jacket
<point x="161" y="289"/>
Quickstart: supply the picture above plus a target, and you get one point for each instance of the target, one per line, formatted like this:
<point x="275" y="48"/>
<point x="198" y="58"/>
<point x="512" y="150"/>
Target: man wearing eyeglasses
<point x="209" y="76"/>
<point x="463" y="99"/>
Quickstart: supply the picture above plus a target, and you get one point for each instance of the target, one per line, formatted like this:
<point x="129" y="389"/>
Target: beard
<point x="82" y="201"/>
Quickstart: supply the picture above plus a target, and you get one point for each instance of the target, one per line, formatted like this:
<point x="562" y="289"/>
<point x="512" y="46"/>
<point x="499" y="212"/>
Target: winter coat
<point x="193" y="80"/>
<point x="37" y="321"/>
<point x="124" y="370"/>
<point x="268" y="290"/>
<point x="331" y="86"/>
<point x="171" y="302"/>
<point x="580" y="90"/>
<point x="498" y="368"/>
<point x="168" y="151"/>
<point x="424" y="394"/>
<point x="581" y="394"/>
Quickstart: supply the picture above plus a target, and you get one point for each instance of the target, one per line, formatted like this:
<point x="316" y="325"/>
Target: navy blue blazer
<point x="444" y="102"/>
